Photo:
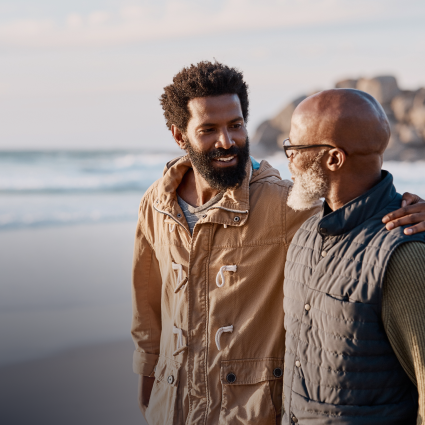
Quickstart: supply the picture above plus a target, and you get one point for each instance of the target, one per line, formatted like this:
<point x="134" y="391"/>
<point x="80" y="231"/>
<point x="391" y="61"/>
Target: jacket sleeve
<point x="146" y="299"/>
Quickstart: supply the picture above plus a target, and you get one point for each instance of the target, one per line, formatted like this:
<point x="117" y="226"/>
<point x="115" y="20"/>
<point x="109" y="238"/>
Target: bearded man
<point x="354" y="292"/>
<point x="208" y="264"/>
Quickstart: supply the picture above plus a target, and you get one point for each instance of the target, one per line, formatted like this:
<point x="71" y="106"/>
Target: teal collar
<point x="255" y="164"/>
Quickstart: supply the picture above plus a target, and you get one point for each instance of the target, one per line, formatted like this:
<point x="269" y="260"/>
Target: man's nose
<point x="224" y="140"/>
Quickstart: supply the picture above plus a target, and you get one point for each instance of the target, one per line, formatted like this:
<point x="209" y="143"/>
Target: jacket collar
<point x="232" y="209"/>
<point x="359" y="210"/>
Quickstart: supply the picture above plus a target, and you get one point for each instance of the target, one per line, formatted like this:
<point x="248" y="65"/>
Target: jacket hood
<point x="265" y="171"/>
<point x="235" y="200"/>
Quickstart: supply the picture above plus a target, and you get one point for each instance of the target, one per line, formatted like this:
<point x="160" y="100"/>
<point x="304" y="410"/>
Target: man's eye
<point x="207" y="130"/>
<point x="239" y="125"/>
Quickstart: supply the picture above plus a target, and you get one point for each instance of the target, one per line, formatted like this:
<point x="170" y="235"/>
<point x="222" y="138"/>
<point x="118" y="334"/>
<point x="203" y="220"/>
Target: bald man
<point x="354" y="293"/>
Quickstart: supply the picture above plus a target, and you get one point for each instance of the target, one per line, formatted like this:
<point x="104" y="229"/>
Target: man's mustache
<point x="219" y="152"/>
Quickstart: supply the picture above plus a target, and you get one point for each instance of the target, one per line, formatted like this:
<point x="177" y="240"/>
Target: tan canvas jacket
<point x="207" y="308"/>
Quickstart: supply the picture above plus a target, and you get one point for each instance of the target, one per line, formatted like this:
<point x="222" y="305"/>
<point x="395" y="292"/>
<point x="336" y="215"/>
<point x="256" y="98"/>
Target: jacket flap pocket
<point x="250" y="371"/>
<point x="167" y="371"/>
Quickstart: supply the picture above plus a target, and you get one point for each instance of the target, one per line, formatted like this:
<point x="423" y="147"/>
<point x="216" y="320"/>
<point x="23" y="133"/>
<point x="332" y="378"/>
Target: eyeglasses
<point x="287" y="147"/>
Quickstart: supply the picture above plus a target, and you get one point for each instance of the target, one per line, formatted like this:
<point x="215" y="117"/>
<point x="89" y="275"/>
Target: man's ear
<point x="336" y="158"/>
<point x="178" y="136"/>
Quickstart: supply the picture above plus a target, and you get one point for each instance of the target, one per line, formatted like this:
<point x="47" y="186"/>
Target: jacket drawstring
<point x="221" y="274"/>
<point x="220" y="332"/>
<point x="180" y="346"/>
<point x="171" y="227"/>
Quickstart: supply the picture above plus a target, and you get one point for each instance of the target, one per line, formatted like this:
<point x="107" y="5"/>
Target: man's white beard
<point x="309" y="186"/>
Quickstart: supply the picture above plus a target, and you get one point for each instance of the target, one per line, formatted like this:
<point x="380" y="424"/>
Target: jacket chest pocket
<point x="251" y="391"/>
<point x="162" y="403"/>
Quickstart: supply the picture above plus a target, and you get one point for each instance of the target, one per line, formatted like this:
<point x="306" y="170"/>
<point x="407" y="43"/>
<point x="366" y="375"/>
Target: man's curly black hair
<point x="201" y="80"/>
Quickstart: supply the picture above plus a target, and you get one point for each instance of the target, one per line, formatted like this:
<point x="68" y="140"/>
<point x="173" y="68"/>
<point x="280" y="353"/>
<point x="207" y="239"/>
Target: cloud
<point x="177" y="18"/>
<point x="23" y="30"/>
<point x="98" y="18"/>
<point x="74" y="20"/>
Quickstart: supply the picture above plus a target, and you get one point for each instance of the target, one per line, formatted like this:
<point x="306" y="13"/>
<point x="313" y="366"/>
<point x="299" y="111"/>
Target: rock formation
<point x="405" y="110"/>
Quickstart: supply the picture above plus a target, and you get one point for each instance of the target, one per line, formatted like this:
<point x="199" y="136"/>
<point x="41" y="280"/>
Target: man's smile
<point x="226" y="160"/>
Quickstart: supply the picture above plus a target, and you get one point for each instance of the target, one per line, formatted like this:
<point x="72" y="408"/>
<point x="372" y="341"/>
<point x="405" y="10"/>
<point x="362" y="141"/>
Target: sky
<point x="88" y="74"/>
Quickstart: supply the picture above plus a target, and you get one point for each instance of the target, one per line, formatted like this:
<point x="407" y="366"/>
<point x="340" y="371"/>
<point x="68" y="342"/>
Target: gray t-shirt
<point x="193" y="214"/>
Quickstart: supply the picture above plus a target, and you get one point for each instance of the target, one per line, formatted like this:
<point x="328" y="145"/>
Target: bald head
<point x="355" y="124"/>
<point x="345" y="118"/>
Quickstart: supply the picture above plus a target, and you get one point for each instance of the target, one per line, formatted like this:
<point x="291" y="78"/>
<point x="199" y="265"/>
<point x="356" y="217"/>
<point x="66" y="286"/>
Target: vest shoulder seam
<point x="353" y="241"/>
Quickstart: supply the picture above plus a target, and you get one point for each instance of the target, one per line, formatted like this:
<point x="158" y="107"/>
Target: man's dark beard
<point x="220" y="178"/>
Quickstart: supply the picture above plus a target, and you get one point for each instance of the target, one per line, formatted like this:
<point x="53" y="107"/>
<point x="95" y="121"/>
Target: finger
<point x="401" y="212"/>
<point x="409" y="199"/>
<point x="418" y="218"/>
<point x="415" y="229"/>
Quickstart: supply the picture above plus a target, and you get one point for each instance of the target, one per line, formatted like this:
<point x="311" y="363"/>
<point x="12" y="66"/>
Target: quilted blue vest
<point x="339" y="365"/>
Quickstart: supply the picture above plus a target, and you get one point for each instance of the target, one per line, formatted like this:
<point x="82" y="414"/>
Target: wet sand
<point x="64" y="287"/>
<point x="91" y="385"/>
<point x="65" y="315"/>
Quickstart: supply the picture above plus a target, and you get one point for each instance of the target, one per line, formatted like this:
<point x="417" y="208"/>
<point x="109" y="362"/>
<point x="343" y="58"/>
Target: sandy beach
<point x="64" y="287"/>
<point x="87" y="386"/>
<point x="65" y="313"/>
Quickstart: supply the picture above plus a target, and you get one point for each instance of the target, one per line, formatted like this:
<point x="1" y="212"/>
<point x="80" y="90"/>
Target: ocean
<point x="39" y="189"/>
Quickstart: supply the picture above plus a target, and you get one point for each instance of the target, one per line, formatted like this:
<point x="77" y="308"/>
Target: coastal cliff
<point x="405" y="110"/>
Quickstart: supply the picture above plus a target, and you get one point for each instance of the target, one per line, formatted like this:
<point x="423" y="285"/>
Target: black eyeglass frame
<point x="298" y="147"/>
